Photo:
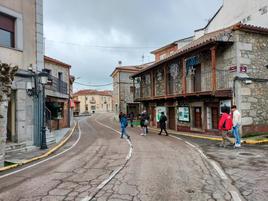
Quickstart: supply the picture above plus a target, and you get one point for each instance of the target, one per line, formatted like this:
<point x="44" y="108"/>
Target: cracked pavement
<point x="161" y="168"/>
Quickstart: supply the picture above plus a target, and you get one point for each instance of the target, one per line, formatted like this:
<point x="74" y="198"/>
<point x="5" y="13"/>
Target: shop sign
<point x="243" y="69"/>
<point x="184" y="114"/>
<point x="233" y="69"/>
<point x="159" y="110"/>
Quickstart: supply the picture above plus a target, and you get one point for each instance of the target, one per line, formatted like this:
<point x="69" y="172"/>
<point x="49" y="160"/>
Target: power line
<point x="102" y="46"/>
<point x="94" y="85"/>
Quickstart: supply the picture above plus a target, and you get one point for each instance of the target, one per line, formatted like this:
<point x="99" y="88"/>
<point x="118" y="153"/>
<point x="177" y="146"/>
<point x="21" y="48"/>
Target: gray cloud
<point x="80" y="32"/>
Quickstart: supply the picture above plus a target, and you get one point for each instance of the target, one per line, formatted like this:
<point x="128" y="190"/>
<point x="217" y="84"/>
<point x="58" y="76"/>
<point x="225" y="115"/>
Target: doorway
<point x="11" y="119"/>
<point x="171" y="118"/>
<point x="214" y="117"/>
<point x="197" y="117"/>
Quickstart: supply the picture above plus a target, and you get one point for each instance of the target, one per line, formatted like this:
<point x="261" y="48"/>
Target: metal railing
<point x="57" y="85"/>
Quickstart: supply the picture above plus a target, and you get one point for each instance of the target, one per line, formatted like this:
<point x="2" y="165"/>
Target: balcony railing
<point x="223" y="80"/>
<point x="57" y="85"/>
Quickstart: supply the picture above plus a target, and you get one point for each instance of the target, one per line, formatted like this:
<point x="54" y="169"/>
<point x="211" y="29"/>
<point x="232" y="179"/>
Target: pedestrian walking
<point x="162" y="122"/>
<point x="124" y="124"/>
<point x="144" y="123"/>
<point x="131" y="118"/>
<point x="119" y="116"/>
<point x="225" y="125"/>
<point x="236" y="125"/>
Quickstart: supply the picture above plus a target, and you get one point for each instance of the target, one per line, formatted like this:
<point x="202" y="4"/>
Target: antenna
<point x="142" y="58"/>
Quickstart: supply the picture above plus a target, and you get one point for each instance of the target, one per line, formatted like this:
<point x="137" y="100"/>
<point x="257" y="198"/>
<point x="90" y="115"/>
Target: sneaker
<point x="141" y="134"/>
<point x="237" y="145"/>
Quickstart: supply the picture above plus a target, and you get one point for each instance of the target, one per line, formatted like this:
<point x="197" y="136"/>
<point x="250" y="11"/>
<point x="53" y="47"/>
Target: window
<point x="132" y="89"/>
<point x="86" y="107"/>
<point x="7" y="30"/>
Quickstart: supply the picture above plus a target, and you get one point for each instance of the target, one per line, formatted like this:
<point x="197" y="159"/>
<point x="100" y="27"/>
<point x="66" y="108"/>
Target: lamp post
<point x="39" y="78"/>
<point x="43" y="80"/>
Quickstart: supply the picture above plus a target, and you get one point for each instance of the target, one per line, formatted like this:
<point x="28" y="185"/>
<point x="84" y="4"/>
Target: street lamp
<point x="39" y="78"/>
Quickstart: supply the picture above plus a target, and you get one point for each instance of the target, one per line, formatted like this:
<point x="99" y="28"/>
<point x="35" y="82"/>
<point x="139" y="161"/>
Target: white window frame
<point x="18" y="26"/>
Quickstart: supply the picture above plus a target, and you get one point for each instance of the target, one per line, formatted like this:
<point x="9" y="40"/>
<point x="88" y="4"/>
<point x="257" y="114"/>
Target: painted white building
<point x="21" y="44"/>
<point x="252" y="12"/>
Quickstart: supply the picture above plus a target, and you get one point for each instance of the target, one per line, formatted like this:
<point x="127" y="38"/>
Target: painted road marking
<point x="213" y="163"/>
<point x="115" y="172"/>
<point x="235" y="196"/>
<point x="223" y="176"/>
<point x="218" y="169"/>
<point x="47" y="159"/>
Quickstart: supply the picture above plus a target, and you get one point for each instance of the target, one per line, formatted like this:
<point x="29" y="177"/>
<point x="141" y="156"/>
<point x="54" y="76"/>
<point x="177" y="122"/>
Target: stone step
<point x="14" y="146"/>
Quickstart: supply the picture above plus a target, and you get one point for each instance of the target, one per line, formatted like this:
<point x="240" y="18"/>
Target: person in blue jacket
<point x="124" y="124"/>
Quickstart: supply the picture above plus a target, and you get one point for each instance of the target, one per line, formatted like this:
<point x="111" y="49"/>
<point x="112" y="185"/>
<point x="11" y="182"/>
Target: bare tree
<point x="6" y="77"/>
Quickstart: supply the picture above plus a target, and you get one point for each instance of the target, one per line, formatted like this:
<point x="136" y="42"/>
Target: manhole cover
<point x="246" y="154"/>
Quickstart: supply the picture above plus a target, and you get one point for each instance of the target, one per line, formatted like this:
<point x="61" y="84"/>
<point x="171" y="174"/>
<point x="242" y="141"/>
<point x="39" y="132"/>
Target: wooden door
<point x="153" y="113"/>
<point x="214" y="117"/>
<point x="197" y="79"/>
<point x="198" y="117"/>
<point x="171" y="118"/>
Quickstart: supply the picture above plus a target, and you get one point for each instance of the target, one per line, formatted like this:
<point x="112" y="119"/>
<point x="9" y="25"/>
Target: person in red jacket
<point x="225" y="125"/>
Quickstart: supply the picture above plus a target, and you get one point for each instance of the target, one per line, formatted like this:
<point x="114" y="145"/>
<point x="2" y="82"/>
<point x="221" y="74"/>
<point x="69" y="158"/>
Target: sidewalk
<point x="16" y="158"/>
<point x="247" y="140"/>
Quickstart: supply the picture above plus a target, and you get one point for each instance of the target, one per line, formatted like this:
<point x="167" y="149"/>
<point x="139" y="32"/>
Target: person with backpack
<point x="144" y="123"/>
<point x="162" y="123"/>
<point x="225" y="125"/>
<point x="124" y="124"/>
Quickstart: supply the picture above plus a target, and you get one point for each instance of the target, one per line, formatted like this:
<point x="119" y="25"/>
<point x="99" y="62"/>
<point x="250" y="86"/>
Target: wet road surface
<point x="161" y="168"/>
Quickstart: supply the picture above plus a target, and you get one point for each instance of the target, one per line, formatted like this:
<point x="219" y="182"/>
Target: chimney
<point x="119" y="63"/>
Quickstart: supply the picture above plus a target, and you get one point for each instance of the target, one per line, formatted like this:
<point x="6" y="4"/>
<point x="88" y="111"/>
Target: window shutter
<point x="7" y="23"/>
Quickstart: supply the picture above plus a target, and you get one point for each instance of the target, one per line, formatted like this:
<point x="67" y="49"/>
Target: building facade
<point x="92" y="101"/>
<point x="231" y="12"/>
<point x="220" y="68"/>
<point x="123" y="91"/>
<point x="58" y="94"/>
<point x="21" y="44"/>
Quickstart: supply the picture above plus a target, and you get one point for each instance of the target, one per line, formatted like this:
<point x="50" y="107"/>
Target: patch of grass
<point x="6" y="163"/>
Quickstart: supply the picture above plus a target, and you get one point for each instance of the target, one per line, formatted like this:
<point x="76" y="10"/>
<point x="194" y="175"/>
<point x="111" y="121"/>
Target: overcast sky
<point x="93" y="35"/>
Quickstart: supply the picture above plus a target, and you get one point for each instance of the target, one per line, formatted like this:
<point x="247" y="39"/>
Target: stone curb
<point x="215" y="138"/>
<point x="49" y="152"/>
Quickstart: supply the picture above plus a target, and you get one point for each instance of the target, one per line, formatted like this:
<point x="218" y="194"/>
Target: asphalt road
<point x="160" y="168"/>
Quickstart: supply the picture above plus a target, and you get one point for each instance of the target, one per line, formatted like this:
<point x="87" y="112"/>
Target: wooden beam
<point x="152" y="83"/>
<point x="184" y="76"/>
<point x="165" y="79"/>
<point x="213" y="65"/>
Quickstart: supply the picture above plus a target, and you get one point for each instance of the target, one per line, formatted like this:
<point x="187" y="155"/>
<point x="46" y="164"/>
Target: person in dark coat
<point x="131" y="118"/>
<point x="162" y="123"/>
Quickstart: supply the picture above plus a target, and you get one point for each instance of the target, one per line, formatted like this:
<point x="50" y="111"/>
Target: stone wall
<point x="253" y="106"/>
<point x="116" y="94"/>
<point x="253" y="50"/>
<point x="252" y="98"/>
<point x="125" y="95"/>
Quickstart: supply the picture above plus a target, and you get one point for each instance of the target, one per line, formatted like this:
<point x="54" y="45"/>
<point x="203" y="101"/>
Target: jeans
<point x="236" y="134"/>
<point x="123" y="132"/>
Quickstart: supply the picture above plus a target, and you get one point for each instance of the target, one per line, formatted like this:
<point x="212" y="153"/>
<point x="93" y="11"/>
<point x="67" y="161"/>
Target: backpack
<point x="228" y="123"/>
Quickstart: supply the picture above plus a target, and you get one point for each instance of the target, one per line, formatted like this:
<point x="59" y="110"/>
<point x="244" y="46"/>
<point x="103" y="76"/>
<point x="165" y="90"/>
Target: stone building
<point x="58" y="111"/>
<point x="225" y="67"/>
<point x="93" y="101"/>
<point x="21" y="44"/>
<point x="123" y="91"/>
